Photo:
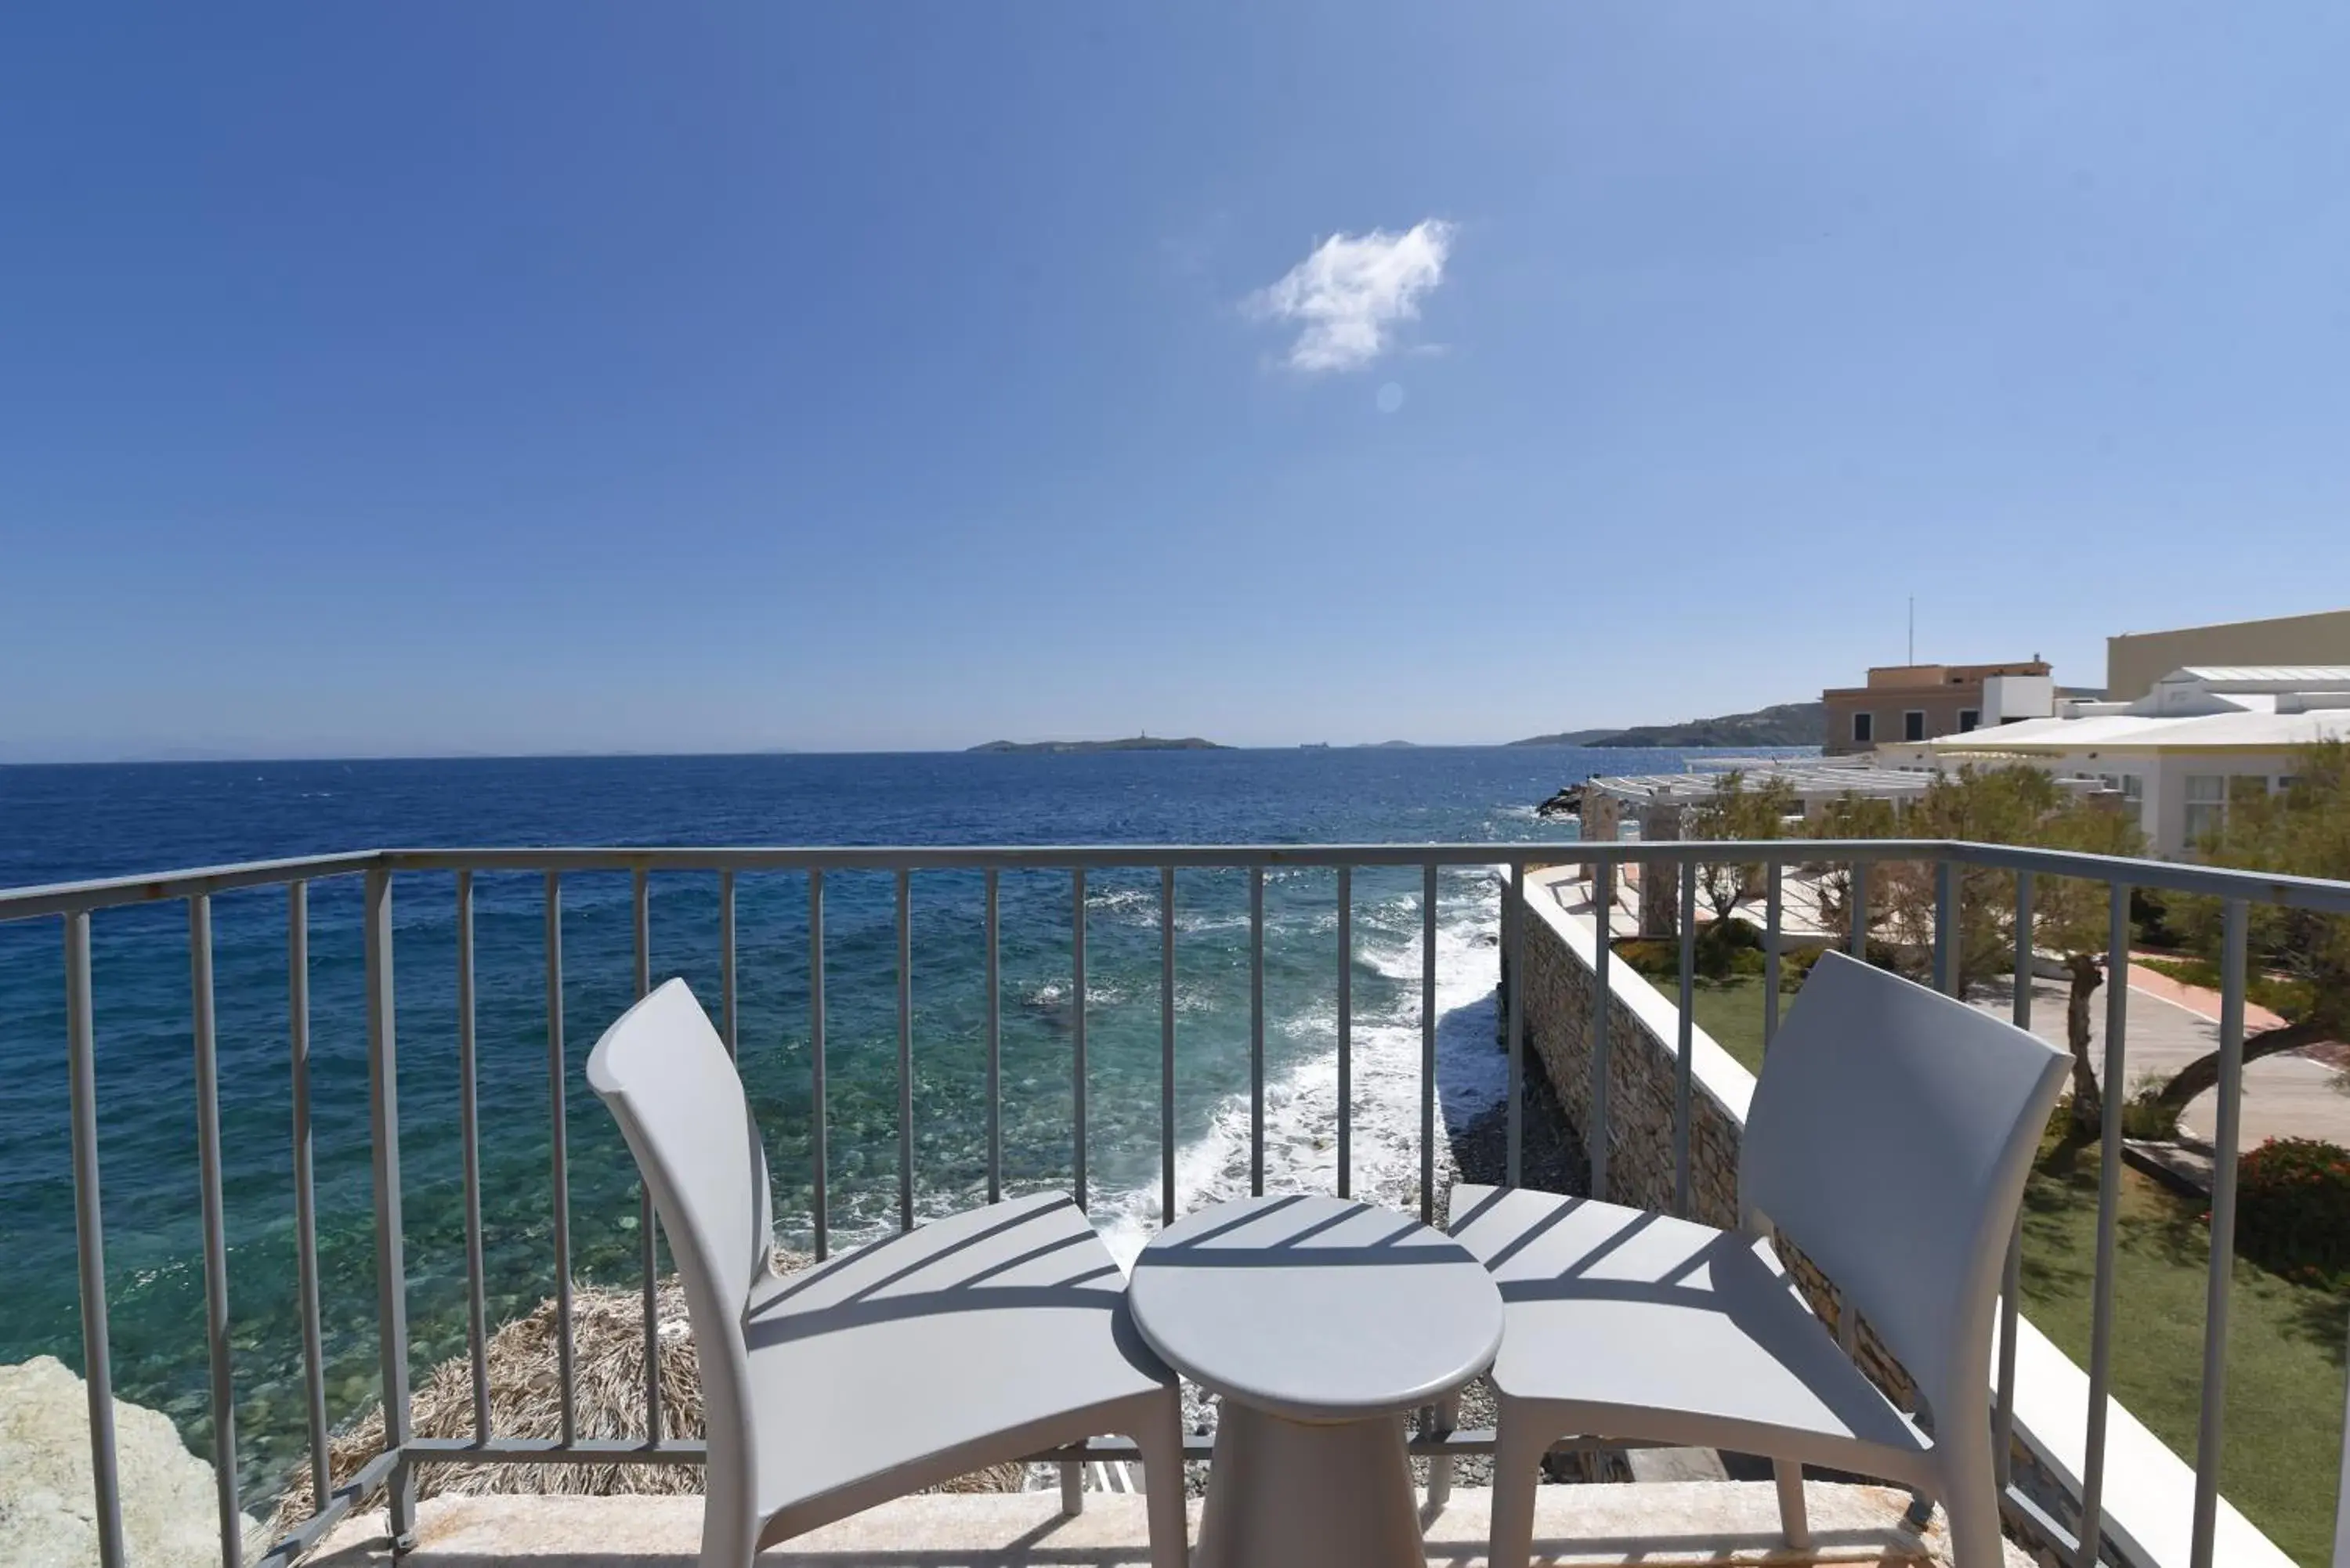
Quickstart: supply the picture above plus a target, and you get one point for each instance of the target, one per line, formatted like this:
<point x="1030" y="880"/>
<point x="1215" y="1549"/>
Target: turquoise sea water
<point x="71" y="822"/>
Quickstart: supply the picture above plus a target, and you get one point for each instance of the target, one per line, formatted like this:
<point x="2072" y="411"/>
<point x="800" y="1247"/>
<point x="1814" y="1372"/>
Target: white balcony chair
<point x="1889" y="1139"/>
<point x="965" y="1342"/>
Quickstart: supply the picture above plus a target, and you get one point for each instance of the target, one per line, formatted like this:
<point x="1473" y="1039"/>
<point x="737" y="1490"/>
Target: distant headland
<point x="1783" y="724"/>
<point x="1130" y="743"/>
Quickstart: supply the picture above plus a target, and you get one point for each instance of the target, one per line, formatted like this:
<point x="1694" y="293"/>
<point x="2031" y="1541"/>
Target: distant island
<point x="1782" y="724"/>
<point x="1130" y="743"/>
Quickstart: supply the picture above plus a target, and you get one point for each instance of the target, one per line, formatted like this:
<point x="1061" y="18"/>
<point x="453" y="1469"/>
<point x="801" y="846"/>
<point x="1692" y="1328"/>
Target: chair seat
<point x="1002" y="1319"/>
<point x="1635" y="1325"/>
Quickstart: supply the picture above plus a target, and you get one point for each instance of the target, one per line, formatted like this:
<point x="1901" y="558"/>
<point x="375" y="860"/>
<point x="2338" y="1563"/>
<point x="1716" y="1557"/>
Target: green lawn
<point x="2282" y="1451"/>
<point x="1731" y="1012"/>
<point x="2285" y="1340"/>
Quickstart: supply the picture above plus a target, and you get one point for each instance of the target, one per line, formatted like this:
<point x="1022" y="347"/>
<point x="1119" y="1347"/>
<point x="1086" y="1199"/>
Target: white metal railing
<point x="76" y="903"/>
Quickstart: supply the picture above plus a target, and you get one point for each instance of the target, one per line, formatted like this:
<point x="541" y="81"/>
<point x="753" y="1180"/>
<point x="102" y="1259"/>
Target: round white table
<point x="1321" y="1323"/>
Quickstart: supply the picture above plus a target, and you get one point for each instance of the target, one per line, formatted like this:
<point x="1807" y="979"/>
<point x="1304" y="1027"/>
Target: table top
<point x="1318" y="1309"/>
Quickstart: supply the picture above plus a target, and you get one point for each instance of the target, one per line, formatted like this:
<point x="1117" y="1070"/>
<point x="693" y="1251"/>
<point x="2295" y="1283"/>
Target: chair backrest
<point x="1889" y="1138"/>
<point x="665" y="1075"/>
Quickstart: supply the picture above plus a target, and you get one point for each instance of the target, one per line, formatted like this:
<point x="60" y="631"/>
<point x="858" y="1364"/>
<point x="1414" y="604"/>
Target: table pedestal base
<point x="1290" y="1494"/>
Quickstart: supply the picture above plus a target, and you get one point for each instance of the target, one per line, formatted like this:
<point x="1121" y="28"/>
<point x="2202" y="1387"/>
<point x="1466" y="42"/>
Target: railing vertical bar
<point x="469" y="1139"/>
<point x="1603" y="901"/>
<point x="1685" y="1048"/>
<point x="729" y="1021"/>
<point x="306" y="1208"/>
<point x="90" y="1235"/>
<point x="1256" y="1031"/>
<point x="2109" y="1186"/>
<point x="1345" y="1031"/>
<point x="2011" y="1280"/>
<point x="1166" y="1047"/>
<point x="994" y="1040"/>
<point x="648" y="1229"/>
<point x="391" y="1244"/>
<point x="208" y="1159"/>
<point x="1947" y="917"/>
<point x="1428" y="1043"/>
<point x="820" y="1208"/>
<point x="1774" y="918"/>
<point x="2020" y="1008"/>
<point x="1073" y="1492"/>
<point x="1857" y="938"/>
<point x="559" y="1118"/>
<point x="2227" y="1135"/>
<point x="1078" y="1033"/>
<point x="2341" y="1491"/>
<point x="1513" y="919"/>
<point x="905" y="1050"/>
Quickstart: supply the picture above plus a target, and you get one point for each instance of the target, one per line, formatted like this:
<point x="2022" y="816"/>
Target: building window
<point x="2133" y="789"/>
<point x="1864" y="729"/>
<point x="1968" y="718"/>
<point x="2207" y="806"/>
<point x="1913" y="724"/>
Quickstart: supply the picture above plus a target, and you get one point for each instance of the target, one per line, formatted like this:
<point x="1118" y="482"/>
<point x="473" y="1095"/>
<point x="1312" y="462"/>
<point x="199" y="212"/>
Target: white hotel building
<point x="2203" y="736"/>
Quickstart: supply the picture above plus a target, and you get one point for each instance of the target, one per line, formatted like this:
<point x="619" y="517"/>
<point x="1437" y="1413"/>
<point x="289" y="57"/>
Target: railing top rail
<point x="66" y="898"/>
<point x="2299" y="892"/>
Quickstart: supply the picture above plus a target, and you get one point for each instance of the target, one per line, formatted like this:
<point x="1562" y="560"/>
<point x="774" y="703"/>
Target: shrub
<point x="2293" y="1207"/>
<point x="2146" y="1116"/>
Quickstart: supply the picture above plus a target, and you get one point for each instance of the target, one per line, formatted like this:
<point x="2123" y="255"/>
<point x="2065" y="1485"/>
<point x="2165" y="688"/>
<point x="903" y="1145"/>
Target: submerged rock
<point x="49" y="1509"/>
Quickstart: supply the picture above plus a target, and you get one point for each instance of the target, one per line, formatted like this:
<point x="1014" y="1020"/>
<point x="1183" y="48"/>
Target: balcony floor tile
<point x="1681" y="1524"/>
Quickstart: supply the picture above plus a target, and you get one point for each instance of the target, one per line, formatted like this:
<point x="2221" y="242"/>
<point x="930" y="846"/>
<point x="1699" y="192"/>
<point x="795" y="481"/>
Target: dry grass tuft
<point x="608" y="1335"/>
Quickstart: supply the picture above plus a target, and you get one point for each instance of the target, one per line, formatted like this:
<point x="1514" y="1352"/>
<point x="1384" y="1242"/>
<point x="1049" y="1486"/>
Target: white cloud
<point x="1353" y="290"/>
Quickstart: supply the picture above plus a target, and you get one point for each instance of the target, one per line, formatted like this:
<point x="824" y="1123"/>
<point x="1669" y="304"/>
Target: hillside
<point x="1781" y="724"/>
<point x="1130" y="743"/>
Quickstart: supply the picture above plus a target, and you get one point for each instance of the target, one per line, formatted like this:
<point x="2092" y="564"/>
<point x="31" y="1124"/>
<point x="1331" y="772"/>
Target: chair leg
<point x="1517" y="1470"/>
<point x="1971" y="1498"/>
<point x="1161" y="1440"/>
<point x="729" y="1535"/>
<point x="1794" y="1520"/>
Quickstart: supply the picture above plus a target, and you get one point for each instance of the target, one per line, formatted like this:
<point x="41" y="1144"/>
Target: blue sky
<point x="524" y="377"/>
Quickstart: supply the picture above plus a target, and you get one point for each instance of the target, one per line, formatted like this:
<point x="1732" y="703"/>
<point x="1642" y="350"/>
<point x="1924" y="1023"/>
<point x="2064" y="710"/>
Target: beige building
<point x="2136" y="661"/>
<point x="1908" y="702"/>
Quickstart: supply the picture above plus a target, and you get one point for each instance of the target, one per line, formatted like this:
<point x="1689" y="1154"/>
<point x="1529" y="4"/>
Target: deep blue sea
<point x="66" y="823"/>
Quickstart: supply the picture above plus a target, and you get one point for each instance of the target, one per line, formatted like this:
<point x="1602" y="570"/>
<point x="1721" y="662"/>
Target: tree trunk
<point x="2088" y="1111"/>
<point x="2203" y="1072"/>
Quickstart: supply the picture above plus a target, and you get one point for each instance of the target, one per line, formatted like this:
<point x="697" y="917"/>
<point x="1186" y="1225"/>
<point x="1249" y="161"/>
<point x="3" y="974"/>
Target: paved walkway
<point x="2286" y="1095"/>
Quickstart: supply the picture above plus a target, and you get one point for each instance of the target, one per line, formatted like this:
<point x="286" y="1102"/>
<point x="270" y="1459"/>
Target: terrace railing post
<point x="1513" y="914"/>
<point x="1428" y="1043"/>
<point x="2225" y="1139"/>
<point x="1602" y="902"/>
<point x="469" y="1138"/>
<point x="558" y="1129"/>
<point x="648" y="1223"/>
<point x="1078" y="1035"/>
<point x="1857" y="938"/>
<point x="2110" y="1184"/>
<point x="729" y="1022"/>
<point x="905" y="1050"/>
<point x="391" y="1253"/>
<point x="208" y="1162"/>
<point x="1166" y="1047"/>
<point x="1256" y="1031"/>
<point x="1774" y="916"/>
<point x="820" y="1206"/>
<point x="1947" y="920"/>
<point x="1345" y="1031"/>
<point x="2011" y="1280"/>
<point x="90" y="1242"/>
<point x="1685" y="1044"/>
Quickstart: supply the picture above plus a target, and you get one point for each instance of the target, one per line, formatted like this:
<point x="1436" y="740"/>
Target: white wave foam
<point x="1301" y="1115"/>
